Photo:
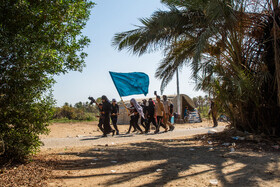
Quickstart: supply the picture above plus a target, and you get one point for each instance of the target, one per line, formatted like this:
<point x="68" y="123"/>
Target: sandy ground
<point x="179" y="162"/>
<point x="184" y="161"/>
<point x="68" y="130"/>
<point x="75" y="139"/>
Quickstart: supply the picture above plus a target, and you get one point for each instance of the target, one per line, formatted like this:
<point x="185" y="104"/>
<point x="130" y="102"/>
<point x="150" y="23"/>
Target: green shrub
<point x="38" y="40"/>
<point x="68" y="113"/>
<point x="21" y="133"/>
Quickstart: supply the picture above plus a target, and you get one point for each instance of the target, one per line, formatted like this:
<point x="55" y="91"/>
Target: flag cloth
<point x="131" y="83"/>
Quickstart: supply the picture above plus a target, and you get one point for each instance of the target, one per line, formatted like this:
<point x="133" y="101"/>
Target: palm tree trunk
<point x="202" y="106"/>
<point x="276" y="48"/>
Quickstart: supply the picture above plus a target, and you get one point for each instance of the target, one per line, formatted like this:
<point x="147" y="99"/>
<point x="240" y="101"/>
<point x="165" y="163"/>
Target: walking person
<point x="101" y="118"/>
<point x="135" y="112"/>
<point x="160" y="113"/>
<point x="213" y="111"/>
<point x="171" y="109"/>
<point x="144" y="119"/>
<point x="106" y="110"/>
<point x="151" y="117"/>
<point x="114" y="114"/>
<point x="166" y="105"/>
<point x="101" y="115"/>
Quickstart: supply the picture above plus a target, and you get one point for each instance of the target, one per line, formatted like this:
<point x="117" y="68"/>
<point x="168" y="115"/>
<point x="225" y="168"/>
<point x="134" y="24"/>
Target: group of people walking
<point x="158" y="113"/>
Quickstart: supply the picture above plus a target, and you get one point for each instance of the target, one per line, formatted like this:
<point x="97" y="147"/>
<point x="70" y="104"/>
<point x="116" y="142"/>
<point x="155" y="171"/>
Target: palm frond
<point x="159" y="31"/>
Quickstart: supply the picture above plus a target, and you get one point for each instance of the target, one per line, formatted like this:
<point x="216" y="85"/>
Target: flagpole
<point x="178" y="93"/>
<point x="124" y="105"/>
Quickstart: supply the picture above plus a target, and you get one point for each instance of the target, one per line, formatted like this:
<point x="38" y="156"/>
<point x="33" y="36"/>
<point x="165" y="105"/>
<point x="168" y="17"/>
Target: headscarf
<point x="105" y="98"/>
<point x="137" y="107"/>
<point x="106" y="105"/>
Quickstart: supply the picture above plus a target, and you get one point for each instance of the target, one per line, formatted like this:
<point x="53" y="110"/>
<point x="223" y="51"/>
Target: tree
<point x="232" y="47"/>
<point x="39" y="39"/>
<point x="184" y="32"/>
<point x="78" y="105"/>
<point x="201" y="102"/>
<point x="195" y="100"/>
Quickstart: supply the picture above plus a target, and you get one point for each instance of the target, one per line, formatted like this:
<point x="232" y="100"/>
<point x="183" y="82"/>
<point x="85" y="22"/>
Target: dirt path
<point x="68" y="130"/>
<point x="81" y="141"/>
<point x="88" y="134"/>
<point x="79" y="157"/>
<point x="182" y="161"/>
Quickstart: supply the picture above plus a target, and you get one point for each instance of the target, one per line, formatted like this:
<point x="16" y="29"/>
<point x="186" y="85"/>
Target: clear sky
<point x="107" y="18"/>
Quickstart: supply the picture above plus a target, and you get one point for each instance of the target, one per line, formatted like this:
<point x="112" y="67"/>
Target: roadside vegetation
<point x="202" y="104"/>
<point x="38" y="40"/>
<point x="233" y="48"/>
<point x="79" y="112"/>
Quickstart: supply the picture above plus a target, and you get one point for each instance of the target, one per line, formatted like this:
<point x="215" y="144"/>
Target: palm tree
<point x="183" y="32"/>
<point x="195" y="100"/>
<point x="232" y="47"/>
<point x="200" y="102"/>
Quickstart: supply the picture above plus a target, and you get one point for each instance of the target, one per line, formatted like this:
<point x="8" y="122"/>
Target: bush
<point x="71" y="113"/>
<point x="21" y="133"/>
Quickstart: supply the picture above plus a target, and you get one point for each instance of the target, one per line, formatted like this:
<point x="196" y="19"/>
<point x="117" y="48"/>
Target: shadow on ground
<point x="176" y="159"/>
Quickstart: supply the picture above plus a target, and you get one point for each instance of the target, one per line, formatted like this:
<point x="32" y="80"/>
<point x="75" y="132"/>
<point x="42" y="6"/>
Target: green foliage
<point x="80" y="112"/>
<point x="233" y="48"/>
<point x="38" y="39"/>
<point x="202" y="103"/>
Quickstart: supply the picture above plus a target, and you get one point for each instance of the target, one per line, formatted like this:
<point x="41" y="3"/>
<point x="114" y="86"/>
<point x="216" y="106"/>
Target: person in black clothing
<point x="101" y="118"/>
<point x="114" y="114"/>
<point x="144" y="107"/>
<point x="151" y="116"/>
<point x="135" y="112"/>
<point x="106" y="110"/>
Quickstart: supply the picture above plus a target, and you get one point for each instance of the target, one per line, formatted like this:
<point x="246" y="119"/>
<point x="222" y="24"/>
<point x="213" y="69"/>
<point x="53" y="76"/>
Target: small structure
<point x="185" y="101"/>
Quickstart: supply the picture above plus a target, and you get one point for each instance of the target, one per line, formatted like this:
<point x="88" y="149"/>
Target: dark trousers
<point x="107" y="127"/>
<point x="160" y="123"/>
<point x="114" y="121"/>
<point x="100" y="124"/>
<point x="143" y="122"/>
<point x="149" y="121"/>
<point x="134" y="123"/>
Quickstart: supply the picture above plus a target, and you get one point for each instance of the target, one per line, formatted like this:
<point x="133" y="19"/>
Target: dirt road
<point x="81" y="140"/>
<point x="78" y="156"/>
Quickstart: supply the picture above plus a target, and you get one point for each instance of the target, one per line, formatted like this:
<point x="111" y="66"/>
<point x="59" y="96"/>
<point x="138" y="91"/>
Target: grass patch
<point x="66" y="120"/>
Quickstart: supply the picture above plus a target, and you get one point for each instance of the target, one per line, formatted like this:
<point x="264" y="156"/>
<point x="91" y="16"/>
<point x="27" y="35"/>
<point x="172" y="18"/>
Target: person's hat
<point x="114" y="100"/>
<point x="144" y="100"/>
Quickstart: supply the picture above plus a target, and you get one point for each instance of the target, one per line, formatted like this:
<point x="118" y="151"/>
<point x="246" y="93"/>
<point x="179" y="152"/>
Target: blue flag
<point x="131" y="83"/>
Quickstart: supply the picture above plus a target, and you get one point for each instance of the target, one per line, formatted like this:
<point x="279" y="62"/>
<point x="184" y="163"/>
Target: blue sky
<point x="107" y="18"/>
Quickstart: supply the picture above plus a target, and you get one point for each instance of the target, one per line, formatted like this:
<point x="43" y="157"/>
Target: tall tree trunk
<point x="276" y="47"/>
<point x="202" y="107"/>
